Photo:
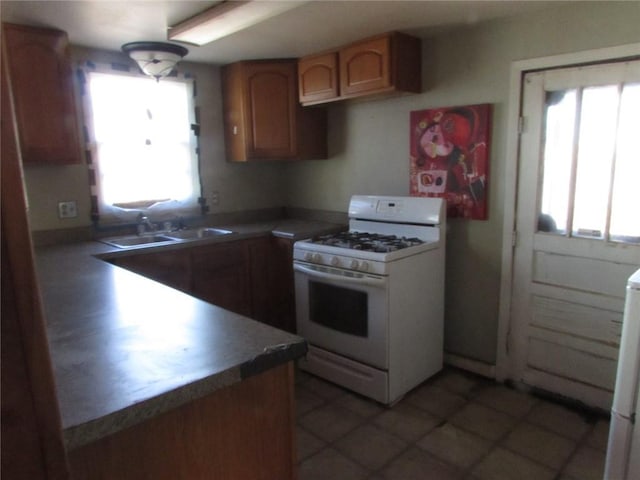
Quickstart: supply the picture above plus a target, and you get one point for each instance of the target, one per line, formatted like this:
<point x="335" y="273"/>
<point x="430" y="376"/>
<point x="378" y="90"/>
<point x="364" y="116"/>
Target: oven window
<point x="338" y="308"/>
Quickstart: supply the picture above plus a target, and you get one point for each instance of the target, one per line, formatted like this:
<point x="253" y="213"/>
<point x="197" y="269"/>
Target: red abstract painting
<point x="450" y="157"/>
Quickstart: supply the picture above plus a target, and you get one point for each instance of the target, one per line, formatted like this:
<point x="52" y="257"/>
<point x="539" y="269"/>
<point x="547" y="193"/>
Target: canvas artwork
<point x="450" y="157"/>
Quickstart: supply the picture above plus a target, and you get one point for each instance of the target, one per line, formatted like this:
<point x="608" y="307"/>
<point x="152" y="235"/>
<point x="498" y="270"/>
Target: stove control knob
<point x="316" y="257"/>
<point x="354" y="264"/>
<point x="335" y="261"/>
<point x="364" y="266"/>
<point x="308" y="256"/>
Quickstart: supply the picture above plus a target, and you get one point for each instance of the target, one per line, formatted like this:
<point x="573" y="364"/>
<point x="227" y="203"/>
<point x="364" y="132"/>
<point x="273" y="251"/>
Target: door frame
<point x="505" y="366"/>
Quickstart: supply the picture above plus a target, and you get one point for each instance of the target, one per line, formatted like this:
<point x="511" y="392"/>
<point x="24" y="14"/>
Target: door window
<point x="590" y="163"/>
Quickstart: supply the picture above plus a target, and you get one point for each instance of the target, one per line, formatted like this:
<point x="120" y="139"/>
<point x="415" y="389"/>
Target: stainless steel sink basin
<point x="196" y="233"/>
<point x="137" y="240"/>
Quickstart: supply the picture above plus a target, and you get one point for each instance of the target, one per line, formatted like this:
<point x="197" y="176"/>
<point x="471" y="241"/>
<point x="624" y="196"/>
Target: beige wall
<point x="369" y="148"/>
<point x="370" y="144"/>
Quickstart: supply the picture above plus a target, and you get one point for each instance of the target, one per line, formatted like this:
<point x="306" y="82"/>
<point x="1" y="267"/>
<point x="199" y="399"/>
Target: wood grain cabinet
<point x="221" y="275"/>
<point x="385" y="64"/>
<point x="281" y="284"/>
<point x="262" y="117"/>
<point x="42" y="88"/>
<point x="170" y="268"/>
<point x="252" y="277"/>
<point x="318" y="78"/>
<point x="245" y="431"/>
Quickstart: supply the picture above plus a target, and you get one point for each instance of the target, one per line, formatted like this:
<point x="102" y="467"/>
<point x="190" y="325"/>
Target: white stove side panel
<point x="416" y="329"/>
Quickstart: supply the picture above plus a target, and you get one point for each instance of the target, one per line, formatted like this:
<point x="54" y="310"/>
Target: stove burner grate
<point x="372" y="242"/>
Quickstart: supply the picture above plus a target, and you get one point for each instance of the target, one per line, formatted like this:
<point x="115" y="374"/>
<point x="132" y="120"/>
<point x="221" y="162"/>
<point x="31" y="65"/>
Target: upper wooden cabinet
<point x="318" y="78"/>
<point x="42" y="88"/>
<point x="262" y="117"/>
<point x="383" y="64"/>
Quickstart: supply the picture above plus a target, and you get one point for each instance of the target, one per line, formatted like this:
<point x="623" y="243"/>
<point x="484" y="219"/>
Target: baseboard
<point x="471" y="365"/>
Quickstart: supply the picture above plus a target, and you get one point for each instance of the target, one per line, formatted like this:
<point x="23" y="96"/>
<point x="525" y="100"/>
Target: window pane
<point x="558" y="151"/>
<point x="596" y="148"/>
<point x="625" y="218"/>
<point x="143" y="137"/>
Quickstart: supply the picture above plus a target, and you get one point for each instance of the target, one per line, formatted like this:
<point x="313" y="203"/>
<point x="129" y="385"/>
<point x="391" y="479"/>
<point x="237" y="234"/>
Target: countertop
<point x="125" y="348"/>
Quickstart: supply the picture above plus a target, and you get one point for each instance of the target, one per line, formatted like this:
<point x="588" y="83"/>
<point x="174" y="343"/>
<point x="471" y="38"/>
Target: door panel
<point x="570" y="262"/>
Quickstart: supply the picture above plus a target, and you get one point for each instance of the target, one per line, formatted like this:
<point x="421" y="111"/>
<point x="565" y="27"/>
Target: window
<point x="143" y="145"/>
<point x="590" y="163"/>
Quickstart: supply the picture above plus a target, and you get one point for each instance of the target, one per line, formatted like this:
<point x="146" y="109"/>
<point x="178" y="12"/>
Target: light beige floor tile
<point x="370" y="446"/>
<point x="307" y="444"/>
<point x="436" y="400"/>
<point x="599" y="436"/>
<point x="559" y="419"/>
<point x="324" y="389"/>
<point x="330" y="464"/>
<point x="330" y="422"/>
<point x="360" y="405"/>
<point x="456" y="381"/>
<point x="586" y="464"/>
<point x="506" y="400"/>
<point x="483" y="421"/>
<point x="406" y="421"/>
<point x="306" y="400"/>
<point x="501" y="464"/>
<point x="416" y="464"/>
<point x="455" y="446"/>
<point x="540" y="444"/>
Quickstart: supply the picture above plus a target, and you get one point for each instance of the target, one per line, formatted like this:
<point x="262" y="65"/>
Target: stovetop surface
<point x="365" y="241"/>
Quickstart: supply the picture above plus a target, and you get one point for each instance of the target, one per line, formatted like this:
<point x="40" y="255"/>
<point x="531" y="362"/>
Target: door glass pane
<point x="560" y="115"/>
<point x="625" y="219"/>
<point x="596" y="147"/>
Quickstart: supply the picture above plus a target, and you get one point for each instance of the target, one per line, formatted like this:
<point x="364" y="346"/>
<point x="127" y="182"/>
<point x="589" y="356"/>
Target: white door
<point x="577" y="227"/>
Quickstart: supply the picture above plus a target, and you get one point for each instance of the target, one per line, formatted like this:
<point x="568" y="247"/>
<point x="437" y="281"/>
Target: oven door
<point x="343" y="311"/>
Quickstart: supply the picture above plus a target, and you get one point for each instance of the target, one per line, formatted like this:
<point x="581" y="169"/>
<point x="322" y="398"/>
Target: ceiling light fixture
<point x="156" y="59"/>
<point x="227" y="17"/>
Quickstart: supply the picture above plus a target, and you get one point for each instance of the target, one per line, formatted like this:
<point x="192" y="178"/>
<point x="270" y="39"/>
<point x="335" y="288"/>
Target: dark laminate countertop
<point x="125" y="348"/>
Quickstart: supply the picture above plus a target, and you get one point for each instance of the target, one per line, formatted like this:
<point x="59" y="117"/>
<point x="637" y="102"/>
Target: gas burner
<point x="365" y="241"/>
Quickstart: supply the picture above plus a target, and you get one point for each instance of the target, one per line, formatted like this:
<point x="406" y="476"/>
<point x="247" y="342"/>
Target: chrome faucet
<point x="144" y="223"/>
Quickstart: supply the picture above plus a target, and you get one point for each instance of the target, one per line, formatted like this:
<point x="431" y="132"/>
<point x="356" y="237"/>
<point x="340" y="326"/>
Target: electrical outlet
<point x="215" y="198"/>
<point x="67" y="209"/>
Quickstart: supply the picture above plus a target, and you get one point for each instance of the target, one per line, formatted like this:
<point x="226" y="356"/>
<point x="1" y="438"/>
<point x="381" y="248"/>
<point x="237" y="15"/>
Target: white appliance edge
<point x="623" y="451"/>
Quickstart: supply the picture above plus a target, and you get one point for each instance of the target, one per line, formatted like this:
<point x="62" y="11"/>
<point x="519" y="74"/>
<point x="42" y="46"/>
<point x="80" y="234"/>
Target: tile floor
<point x="454" y="426"/>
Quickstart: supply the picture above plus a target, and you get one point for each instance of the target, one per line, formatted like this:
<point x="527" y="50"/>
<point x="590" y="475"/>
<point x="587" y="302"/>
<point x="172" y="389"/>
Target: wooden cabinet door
<point x="259" y="251"/>
<point x="318" y="78"/>
<point x="221" y="276"/>
<point x="172" y="268"/>
<point x="262" y="117"/>
<point x="365" y="66"/>
<point x="271" y="109"/>
<point x="282" y="283"/>
<point x="42" y="88"/>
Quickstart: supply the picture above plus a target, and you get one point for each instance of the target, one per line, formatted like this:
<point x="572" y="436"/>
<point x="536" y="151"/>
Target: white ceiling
<point x="311" y="27"/>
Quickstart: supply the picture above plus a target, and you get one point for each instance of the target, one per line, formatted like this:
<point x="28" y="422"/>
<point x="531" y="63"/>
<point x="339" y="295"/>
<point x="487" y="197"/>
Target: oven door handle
<point x="364" y="280"/>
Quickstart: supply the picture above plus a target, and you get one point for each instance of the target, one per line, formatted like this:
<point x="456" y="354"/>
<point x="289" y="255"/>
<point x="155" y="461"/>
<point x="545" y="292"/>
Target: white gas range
<point x="370" y="301"/>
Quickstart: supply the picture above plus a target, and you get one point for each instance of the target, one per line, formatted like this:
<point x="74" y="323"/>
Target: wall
<point x="370" y="148"/>
<point x="241" y="187"/>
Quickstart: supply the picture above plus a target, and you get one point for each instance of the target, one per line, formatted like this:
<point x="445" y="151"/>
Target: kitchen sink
<point x="196" y="233"/>
<point x="137" y="240"/>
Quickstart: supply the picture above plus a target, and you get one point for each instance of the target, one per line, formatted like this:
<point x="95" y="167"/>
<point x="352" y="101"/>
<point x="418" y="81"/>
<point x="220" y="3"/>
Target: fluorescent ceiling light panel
<point x="226" y="18"/>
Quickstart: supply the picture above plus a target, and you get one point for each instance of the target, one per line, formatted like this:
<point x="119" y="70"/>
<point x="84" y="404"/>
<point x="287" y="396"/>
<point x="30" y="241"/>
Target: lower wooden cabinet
<point x="220" y="275"/>
<point x="170" y="268"/>
<point x="281" y="283"/>
<point x="241" y="432"/>
<point x="252" y="277"/>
